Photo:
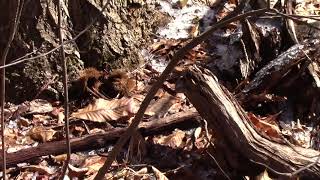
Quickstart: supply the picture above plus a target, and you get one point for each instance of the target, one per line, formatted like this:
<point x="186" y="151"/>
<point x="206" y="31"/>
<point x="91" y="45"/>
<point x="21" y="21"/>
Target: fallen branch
<point x="231" y="123"/>
<point x="96" y="141"/>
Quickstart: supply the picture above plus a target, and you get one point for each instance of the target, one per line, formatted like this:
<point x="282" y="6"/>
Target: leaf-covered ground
<point x="106" y="101"/>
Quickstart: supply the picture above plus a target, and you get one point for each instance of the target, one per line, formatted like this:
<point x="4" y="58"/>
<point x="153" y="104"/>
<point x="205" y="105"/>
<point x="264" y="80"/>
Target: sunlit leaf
<point x="41" y="134"/>
<point x="174" y="140"/>
<point x="102" y="110"/>
<point x="159" y="175"/>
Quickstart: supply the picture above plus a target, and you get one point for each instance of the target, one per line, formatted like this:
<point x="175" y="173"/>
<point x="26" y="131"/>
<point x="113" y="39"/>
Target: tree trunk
<point x="115" y="39"/>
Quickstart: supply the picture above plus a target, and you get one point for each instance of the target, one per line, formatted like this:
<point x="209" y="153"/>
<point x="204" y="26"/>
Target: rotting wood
<point x="96" y="141"/>
<point x="227" y="119"/>
<point x="272" y="73"/>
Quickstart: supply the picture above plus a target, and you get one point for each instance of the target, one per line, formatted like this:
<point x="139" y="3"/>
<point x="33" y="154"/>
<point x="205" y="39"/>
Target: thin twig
<point x="16" y="61"/>
<point x="209" y="141"/>
<point x="293" y="174"/>
<point x="305" y="167"/>
<point x="275" y="11"/>
<point x="13" y="31"/>
<point x="175" y="59"/>
<point x="65" y="88"/>
<point x="271" y="169"/>
<point x="214" y="159"/>
<point x="306" y="17"/>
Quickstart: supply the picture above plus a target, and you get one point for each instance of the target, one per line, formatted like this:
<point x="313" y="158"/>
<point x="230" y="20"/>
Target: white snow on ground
<point x="183" y="18"/>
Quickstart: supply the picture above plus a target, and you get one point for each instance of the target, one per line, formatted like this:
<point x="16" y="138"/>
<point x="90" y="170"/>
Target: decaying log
<point x="231" y="123"/>
<point x="270" y="75"/>
<point x="96" y="141"/>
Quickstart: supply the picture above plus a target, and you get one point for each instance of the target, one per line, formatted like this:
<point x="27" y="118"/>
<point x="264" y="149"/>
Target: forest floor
<point x="173" y="141"/>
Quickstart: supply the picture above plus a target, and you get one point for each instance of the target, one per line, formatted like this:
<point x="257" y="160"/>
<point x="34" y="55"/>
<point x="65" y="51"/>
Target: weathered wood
<point x="271" y="74"/>
<point x="230" y="122"/>
<point x="96" y="141"/>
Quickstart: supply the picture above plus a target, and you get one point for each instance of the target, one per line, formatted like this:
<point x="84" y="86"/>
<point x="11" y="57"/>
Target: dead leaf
<point x="96" y="130"/>
<point x="75" y="172"/>
<point x="25" y="175"/>
<point x="164" y="46"/>
<point x="174" y="140"/>
<point x="263" y="176"/>
<point x="201" y="139"/>
<point x="60" y="118"/>
<point x="265" y="128"/>
<point x="11" y="136"/>
<point x="94" y="164"/>
<point x="59" y="158"/>
<point x="23" y="122"/>
<point x="159" y="175"/>
<point x="102" y="110"/>
<point x="41" y="134"/>
<point x="143" y="170"/>
<point x="39" y="106"/>
<point x="56" y="111"/>
<point x="39" y="168"/>
<point x="77" y="130"/>
<point x="162" y="105"/>
<point x="75" y="160"/>
<point x="197" y="132"/>
<point x="41" y="119"/>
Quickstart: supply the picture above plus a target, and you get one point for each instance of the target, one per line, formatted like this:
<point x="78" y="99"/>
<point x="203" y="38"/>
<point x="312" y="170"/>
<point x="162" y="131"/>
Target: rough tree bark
<point x="240" y="140"/>
<point x="115" y="39"/>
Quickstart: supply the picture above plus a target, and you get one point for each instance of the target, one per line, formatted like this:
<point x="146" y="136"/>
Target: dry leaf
<point x="102" y="110"/>
<point x="263" y="176"/>
<point x="143" y="170"/>
<point x="41" y="134"/>
<point x="75" y="172"/>
<point x="39" y="168"/>
<point x="23" y="122"/>
<point x="161" y="106"/>
<point x="265" y="128"/>
<point x="60" y="117"/>
<point x="59" y="158"/>
<point x="94" y="163"/>
<point x="41" y="119"/>
<point x="96" y="130"/>
<point x="75" y="159"/>
<point x="197" y="133"/>
<point x="201" y="139"/>
<point x="159" y="175"/>
<point x="56" y="111"/>
<point x="11" y="136"/>
<point x="25" y="175"/>
<point x="39" y="106"/>
<point x="174" y="140"/>
<point x="164" y="46"/>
